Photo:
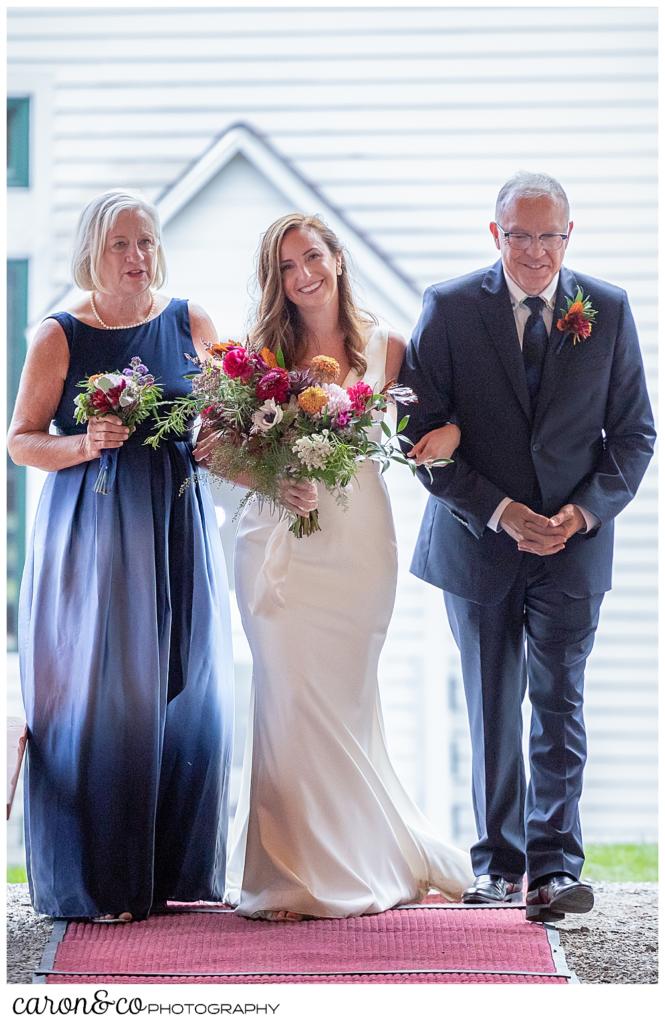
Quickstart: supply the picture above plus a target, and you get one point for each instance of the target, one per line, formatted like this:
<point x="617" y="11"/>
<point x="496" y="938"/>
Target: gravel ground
<point x="616" y="943"/>
<point x="618" y="940"/>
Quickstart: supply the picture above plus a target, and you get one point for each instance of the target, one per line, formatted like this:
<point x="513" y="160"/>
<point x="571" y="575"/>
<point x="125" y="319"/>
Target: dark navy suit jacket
<point x="588" y="441"/>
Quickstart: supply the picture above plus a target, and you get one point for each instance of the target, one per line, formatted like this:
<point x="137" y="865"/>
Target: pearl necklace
<point x="121" y="327"/>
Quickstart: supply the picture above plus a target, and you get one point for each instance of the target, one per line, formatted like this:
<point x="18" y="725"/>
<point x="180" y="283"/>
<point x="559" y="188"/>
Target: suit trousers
<point x="536" y="637"/>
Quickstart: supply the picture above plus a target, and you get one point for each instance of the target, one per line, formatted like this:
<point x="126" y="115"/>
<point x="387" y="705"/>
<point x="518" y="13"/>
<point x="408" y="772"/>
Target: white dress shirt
<point x="521" y="312"/>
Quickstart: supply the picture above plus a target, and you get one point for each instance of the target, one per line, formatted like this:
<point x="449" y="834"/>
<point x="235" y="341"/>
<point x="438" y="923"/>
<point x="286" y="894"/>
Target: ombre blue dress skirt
<point x="126" y="666"/>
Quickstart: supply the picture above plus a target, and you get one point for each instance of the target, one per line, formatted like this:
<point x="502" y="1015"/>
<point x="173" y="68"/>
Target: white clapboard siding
<point x="406" y="120"/>
<point x="297" y="96"/>
<point x="87" y="123"/>
<point x="383" y="78"/>
<point x="89" y="23"/>
<point x="617" y="166"/>
<point x="59" y="25"/>
<point x="201" y="115"/>
<point x="471" y="48"/>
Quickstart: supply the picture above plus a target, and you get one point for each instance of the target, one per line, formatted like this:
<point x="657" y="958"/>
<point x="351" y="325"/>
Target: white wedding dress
<point x="323" y="825"/>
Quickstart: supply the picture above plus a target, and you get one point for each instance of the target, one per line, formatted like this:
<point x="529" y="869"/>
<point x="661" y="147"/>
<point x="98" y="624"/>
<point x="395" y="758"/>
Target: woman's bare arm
<point x="42" y="382"/>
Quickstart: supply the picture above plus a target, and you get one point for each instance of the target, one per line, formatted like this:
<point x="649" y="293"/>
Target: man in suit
<point x="556" y="434"/>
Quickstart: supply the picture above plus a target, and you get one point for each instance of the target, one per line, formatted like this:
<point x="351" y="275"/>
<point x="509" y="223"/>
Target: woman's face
<point x="128" y="262"/>
<point x="309" y="269"/>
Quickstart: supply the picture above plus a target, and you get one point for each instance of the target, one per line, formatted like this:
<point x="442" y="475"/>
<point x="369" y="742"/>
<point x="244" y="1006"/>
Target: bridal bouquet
<point x="131" y="395"/>
<point x="272" y="422"/>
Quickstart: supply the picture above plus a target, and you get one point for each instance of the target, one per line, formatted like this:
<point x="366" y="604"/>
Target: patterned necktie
<point x="534" y="344"/>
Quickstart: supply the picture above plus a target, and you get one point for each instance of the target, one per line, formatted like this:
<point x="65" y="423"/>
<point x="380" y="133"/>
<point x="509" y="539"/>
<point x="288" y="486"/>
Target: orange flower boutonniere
<point x="578" y="318"/>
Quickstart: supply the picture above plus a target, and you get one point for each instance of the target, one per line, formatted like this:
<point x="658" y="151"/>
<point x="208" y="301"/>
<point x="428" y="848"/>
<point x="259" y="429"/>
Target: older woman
<point x="124" y="625"/>
<point x="323" y="826"/>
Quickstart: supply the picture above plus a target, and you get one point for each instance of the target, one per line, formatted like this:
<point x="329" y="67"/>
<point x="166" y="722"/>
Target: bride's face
<point x="309" y="269"/>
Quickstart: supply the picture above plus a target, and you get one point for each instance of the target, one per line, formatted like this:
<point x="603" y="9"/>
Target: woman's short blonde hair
<point x="95" y="222"/>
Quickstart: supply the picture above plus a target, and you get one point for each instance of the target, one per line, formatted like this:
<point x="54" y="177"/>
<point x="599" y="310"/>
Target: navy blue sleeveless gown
<point x="126" y="667"/>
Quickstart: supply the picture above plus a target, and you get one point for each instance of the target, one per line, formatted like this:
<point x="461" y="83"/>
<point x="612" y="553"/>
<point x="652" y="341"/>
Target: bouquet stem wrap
<point x="108" y="463"/>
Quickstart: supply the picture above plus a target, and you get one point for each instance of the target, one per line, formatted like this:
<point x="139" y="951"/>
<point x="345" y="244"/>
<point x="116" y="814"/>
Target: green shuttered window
<point x="18" y="141"/>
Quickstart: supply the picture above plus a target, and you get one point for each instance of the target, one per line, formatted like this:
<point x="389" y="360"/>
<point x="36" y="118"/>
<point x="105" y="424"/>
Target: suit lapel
<point x="555" y="347"/>
<point x="497" y="313"/>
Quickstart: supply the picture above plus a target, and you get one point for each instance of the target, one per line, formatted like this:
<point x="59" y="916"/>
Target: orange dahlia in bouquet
<point x="324" y="369"/>
<point x="271" y="423"/>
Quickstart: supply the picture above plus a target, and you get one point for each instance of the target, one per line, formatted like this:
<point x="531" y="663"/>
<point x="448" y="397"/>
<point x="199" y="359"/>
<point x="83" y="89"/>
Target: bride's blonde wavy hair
<point x="278" y="324"/>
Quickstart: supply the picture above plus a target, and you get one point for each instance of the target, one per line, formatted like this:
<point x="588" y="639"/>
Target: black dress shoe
<point x="558" y="896"/>
<point x="492" y="889"/>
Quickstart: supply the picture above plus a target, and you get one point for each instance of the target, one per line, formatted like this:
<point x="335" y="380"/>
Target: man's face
<point x="533" y="267"/>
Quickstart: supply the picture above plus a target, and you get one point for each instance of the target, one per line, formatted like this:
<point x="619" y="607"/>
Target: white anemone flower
<point x="128" y="397"/>
<point x="108" y="381"/>
<point x="266" y="417"/>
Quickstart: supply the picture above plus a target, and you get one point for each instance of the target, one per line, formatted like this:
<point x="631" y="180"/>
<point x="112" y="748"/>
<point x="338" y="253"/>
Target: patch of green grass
<point x="621" y="862"/>
<point x="605" y="862"/>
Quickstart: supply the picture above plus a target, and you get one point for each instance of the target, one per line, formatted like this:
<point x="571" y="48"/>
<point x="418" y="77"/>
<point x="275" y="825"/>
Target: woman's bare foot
<point x="282" y="915"/>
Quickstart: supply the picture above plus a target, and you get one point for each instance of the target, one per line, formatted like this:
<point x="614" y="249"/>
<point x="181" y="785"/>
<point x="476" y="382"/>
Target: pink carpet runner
<point x="441" y="945"/>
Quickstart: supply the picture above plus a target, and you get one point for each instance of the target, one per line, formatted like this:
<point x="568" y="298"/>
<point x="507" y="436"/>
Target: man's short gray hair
<point x="95" y="222"/>
<point x="530" y="185"/>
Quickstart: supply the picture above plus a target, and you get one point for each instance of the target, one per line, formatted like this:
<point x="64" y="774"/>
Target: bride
<point x="323" y="826"/>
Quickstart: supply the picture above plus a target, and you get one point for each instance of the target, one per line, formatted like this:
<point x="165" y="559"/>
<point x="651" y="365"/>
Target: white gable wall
<point x="212" y="242"/>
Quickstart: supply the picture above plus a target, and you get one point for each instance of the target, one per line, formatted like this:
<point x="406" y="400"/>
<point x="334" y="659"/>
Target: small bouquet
<point x="272" y="422"/>
<point x="131" y="395"/>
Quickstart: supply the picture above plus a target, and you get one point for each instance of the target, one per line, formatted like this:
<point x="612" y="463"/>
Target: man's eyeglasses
<point x="520" y="240"/>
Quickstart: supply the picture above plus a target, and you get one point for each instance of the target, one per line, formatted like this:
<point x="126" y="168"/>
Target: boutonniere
<point x="577" y="319"/>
